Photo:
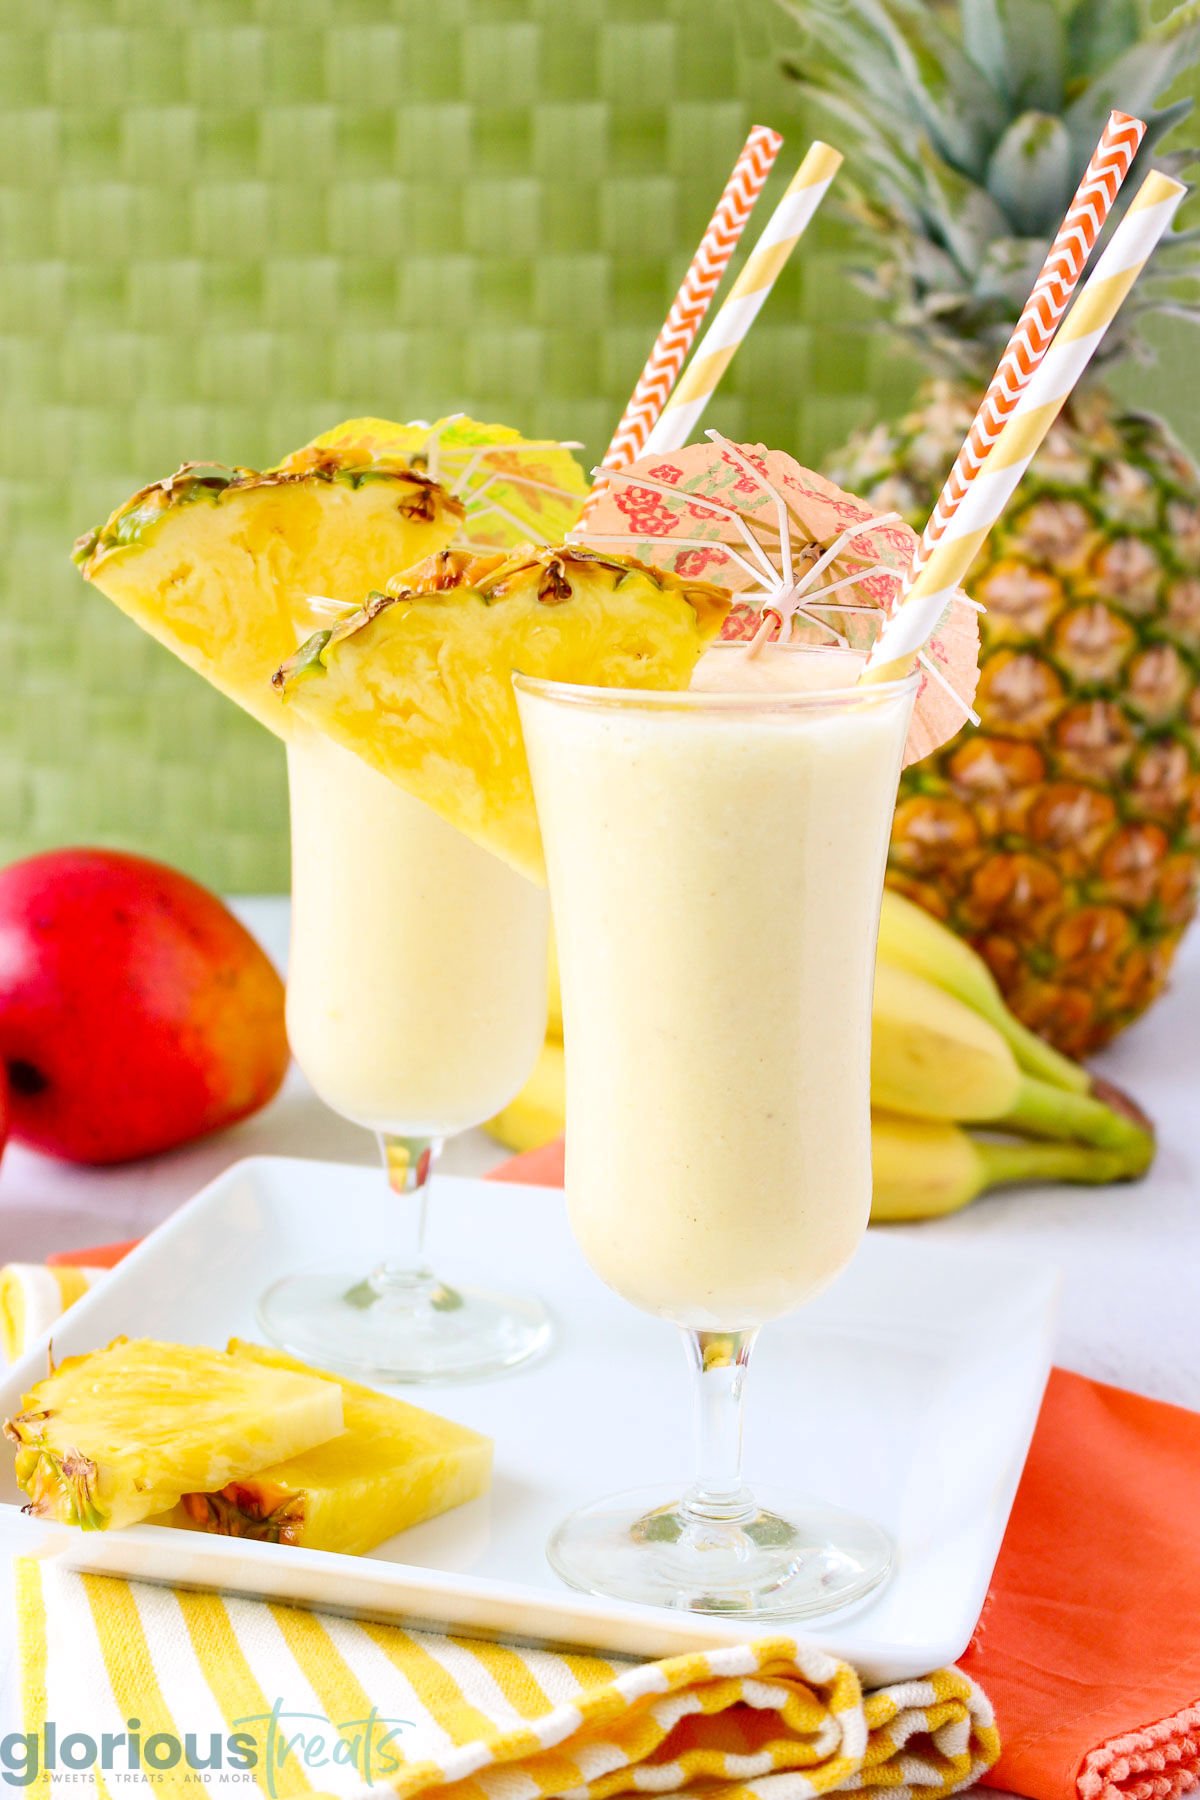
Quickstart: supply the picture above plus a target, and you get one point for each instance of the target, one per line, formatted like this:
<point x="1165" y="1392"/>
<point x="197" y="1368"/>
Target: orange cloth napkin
<point x="1089" y="1640"/>
<point x="534" y="1168"/>
<point x="100" y="1256"/>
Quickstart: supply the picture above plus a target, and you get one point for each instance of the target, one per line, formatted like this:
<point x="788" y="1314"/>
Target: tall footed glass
<point x="716" y="865"/>
<point x="416" y="1006"/>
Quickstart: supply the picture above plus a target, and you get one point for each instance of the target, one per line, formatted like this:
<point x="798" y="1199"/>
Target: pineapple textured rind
<point x="116" y="1435"/>
<point x="394" y="1466"/>
<point x="1063" y="838"/>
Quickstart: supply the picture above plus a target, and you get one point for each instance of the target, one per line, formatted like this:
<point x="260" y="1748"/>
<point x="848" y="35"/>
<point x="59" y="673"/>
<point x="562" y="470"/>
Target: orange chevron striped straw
<point x="990" y="488"/>
<point x="691" y="303"/>
<point x="716" y="350"/>
<point x="1065" y="262"/>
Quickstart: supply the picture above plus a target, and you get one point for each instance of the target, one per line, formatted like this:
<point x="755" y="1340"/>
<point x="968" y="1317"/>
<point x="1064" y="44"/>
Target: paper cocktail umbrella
<point x="798" y="551"/>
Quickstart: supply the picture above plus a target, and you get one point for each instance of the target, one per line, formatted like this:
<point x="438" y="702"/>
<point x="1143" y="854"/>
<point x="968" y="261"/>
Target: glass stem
<point x="408" y="1164"/>
<point x="719" y="1361"/>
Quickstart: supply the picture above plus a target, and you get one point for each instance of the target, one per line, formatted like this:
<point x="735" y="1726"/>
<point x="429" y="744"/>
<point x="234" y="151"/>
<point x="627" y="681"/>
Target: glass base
<point x="432" y="1333"/>
<point x="778" y="1558"/>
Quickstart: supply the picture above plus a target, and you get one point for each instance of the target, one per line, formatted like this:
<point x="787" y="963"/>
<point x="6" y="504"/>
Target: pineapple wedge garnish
<point x="120" y="1434"/>
<point x="419" y="681"/>
<point x="217" y="564"/>
<point x="392" y="1467"/>
<point x="513" y="489"/>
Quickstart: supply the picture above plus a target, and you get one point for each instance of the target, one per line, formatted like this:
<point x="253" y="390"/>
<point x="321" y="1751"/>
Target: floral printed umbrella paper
<point x="800" y="552"/>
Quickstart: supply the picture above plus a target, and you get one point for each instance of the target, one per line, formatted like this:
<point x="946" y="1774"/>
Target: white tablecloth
<point x="1129" y="1256"/>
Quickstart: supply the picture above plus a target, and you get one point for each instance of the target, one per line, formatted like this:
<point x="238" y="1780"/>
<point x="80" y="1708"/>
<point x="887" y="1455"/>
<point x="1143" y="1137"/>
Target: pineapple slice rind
<point x="218" y="564"/>
<point x="132" y="523"/>
<point x="394" y="1466"/>
<point x="116" y="1435"/>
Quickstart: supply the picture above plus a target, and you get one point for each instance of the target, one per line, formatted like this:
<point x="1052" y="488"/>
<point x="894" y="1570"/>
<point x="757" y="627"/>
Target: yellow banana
<point x="934" y="1057"/>
<point x="538" y="1112"/>
<point x="911" y="938"/>
<point x="924" y="1168"/>
<point x="553" y="992"/>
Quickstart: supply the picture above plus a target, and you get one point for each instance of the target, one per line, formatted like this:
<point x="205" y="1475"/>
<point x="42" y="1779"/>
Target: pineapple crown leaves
<point x="972" y="142"/>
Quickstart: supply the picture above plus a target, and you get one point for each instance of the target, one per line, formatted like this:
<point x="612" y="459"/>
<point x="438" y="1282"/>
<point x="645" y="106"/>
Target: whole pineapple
<point x="1062" y="838"/>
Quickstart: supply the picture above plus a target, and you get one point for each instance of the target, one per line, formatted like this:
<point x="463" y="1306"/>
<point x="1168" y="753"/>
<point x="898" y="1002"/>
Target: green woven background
<point x="226" y="224"/>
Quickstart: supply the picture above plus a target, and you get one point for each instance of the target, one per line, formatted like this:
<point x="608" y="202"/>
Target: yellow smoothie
<point x="416" y="998"/>
<point x="716" y="864"/>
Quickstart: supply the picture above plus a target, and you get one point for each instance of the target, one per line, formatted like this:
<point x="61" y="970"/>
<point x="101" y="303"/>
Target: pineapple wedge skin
<point x="116" y="1435"/>
<point x="394" y="1466"/>
<point x="216" y="565"/>
<point x="419" y="681"/>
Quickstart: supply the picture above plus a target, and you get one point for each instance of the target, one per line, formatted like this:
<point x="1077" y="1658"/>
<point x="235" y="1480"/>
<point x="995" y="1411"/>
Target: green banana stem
<point x="1038" y="1160"/>
<point x="1050" y="1112"/>
<point x="1035" y="1055"/>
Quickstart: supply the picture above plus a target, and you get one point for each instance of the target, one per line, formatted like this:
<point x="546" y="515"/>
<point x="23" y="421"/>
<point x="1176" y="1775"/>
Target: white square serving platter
<point x="908" y="1391"/>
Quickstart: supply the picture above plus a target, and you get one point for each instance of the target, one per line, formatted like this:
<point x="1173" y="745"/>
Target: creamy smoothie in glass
<point x="416" y="989"/>
<point x="416" y="1006"/>
<point x="716" y="864"/>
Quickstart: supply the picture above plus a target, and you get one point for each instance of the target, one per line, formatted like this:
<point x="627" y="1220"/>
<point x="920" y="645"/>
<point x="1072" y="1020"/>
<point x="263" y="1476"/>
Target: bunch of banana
<point x="946" y="1055"/>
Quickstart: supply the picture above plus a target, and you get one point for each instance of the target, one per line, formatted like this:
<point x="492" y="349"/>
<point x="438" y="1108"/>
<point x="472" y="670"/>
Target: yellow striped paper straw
<point x="719" y="345"/>
<point x="992" y="485"/>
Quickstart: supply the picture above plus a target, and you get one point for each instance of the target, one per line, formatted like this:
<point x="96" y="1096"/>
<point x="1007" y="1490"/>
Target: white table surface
<point x="1129" y="1256"/>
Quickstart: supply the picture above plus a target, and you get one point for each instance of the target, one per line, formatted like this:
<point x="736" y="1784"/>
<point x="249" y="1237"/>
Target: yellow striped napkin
<point x="33" y="1296"/>
<point x="300" y="1704"/>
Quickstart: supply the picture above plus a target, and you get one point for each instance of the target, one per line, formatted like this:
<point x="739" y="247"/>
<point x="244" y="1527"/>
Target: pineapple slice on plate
<point x="419" y="682"/>
<point x="392" y="1467"/>
<point x="116" y="1435"/>
<point x="217" y="564"/>
<point x="1060" y="839"/>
